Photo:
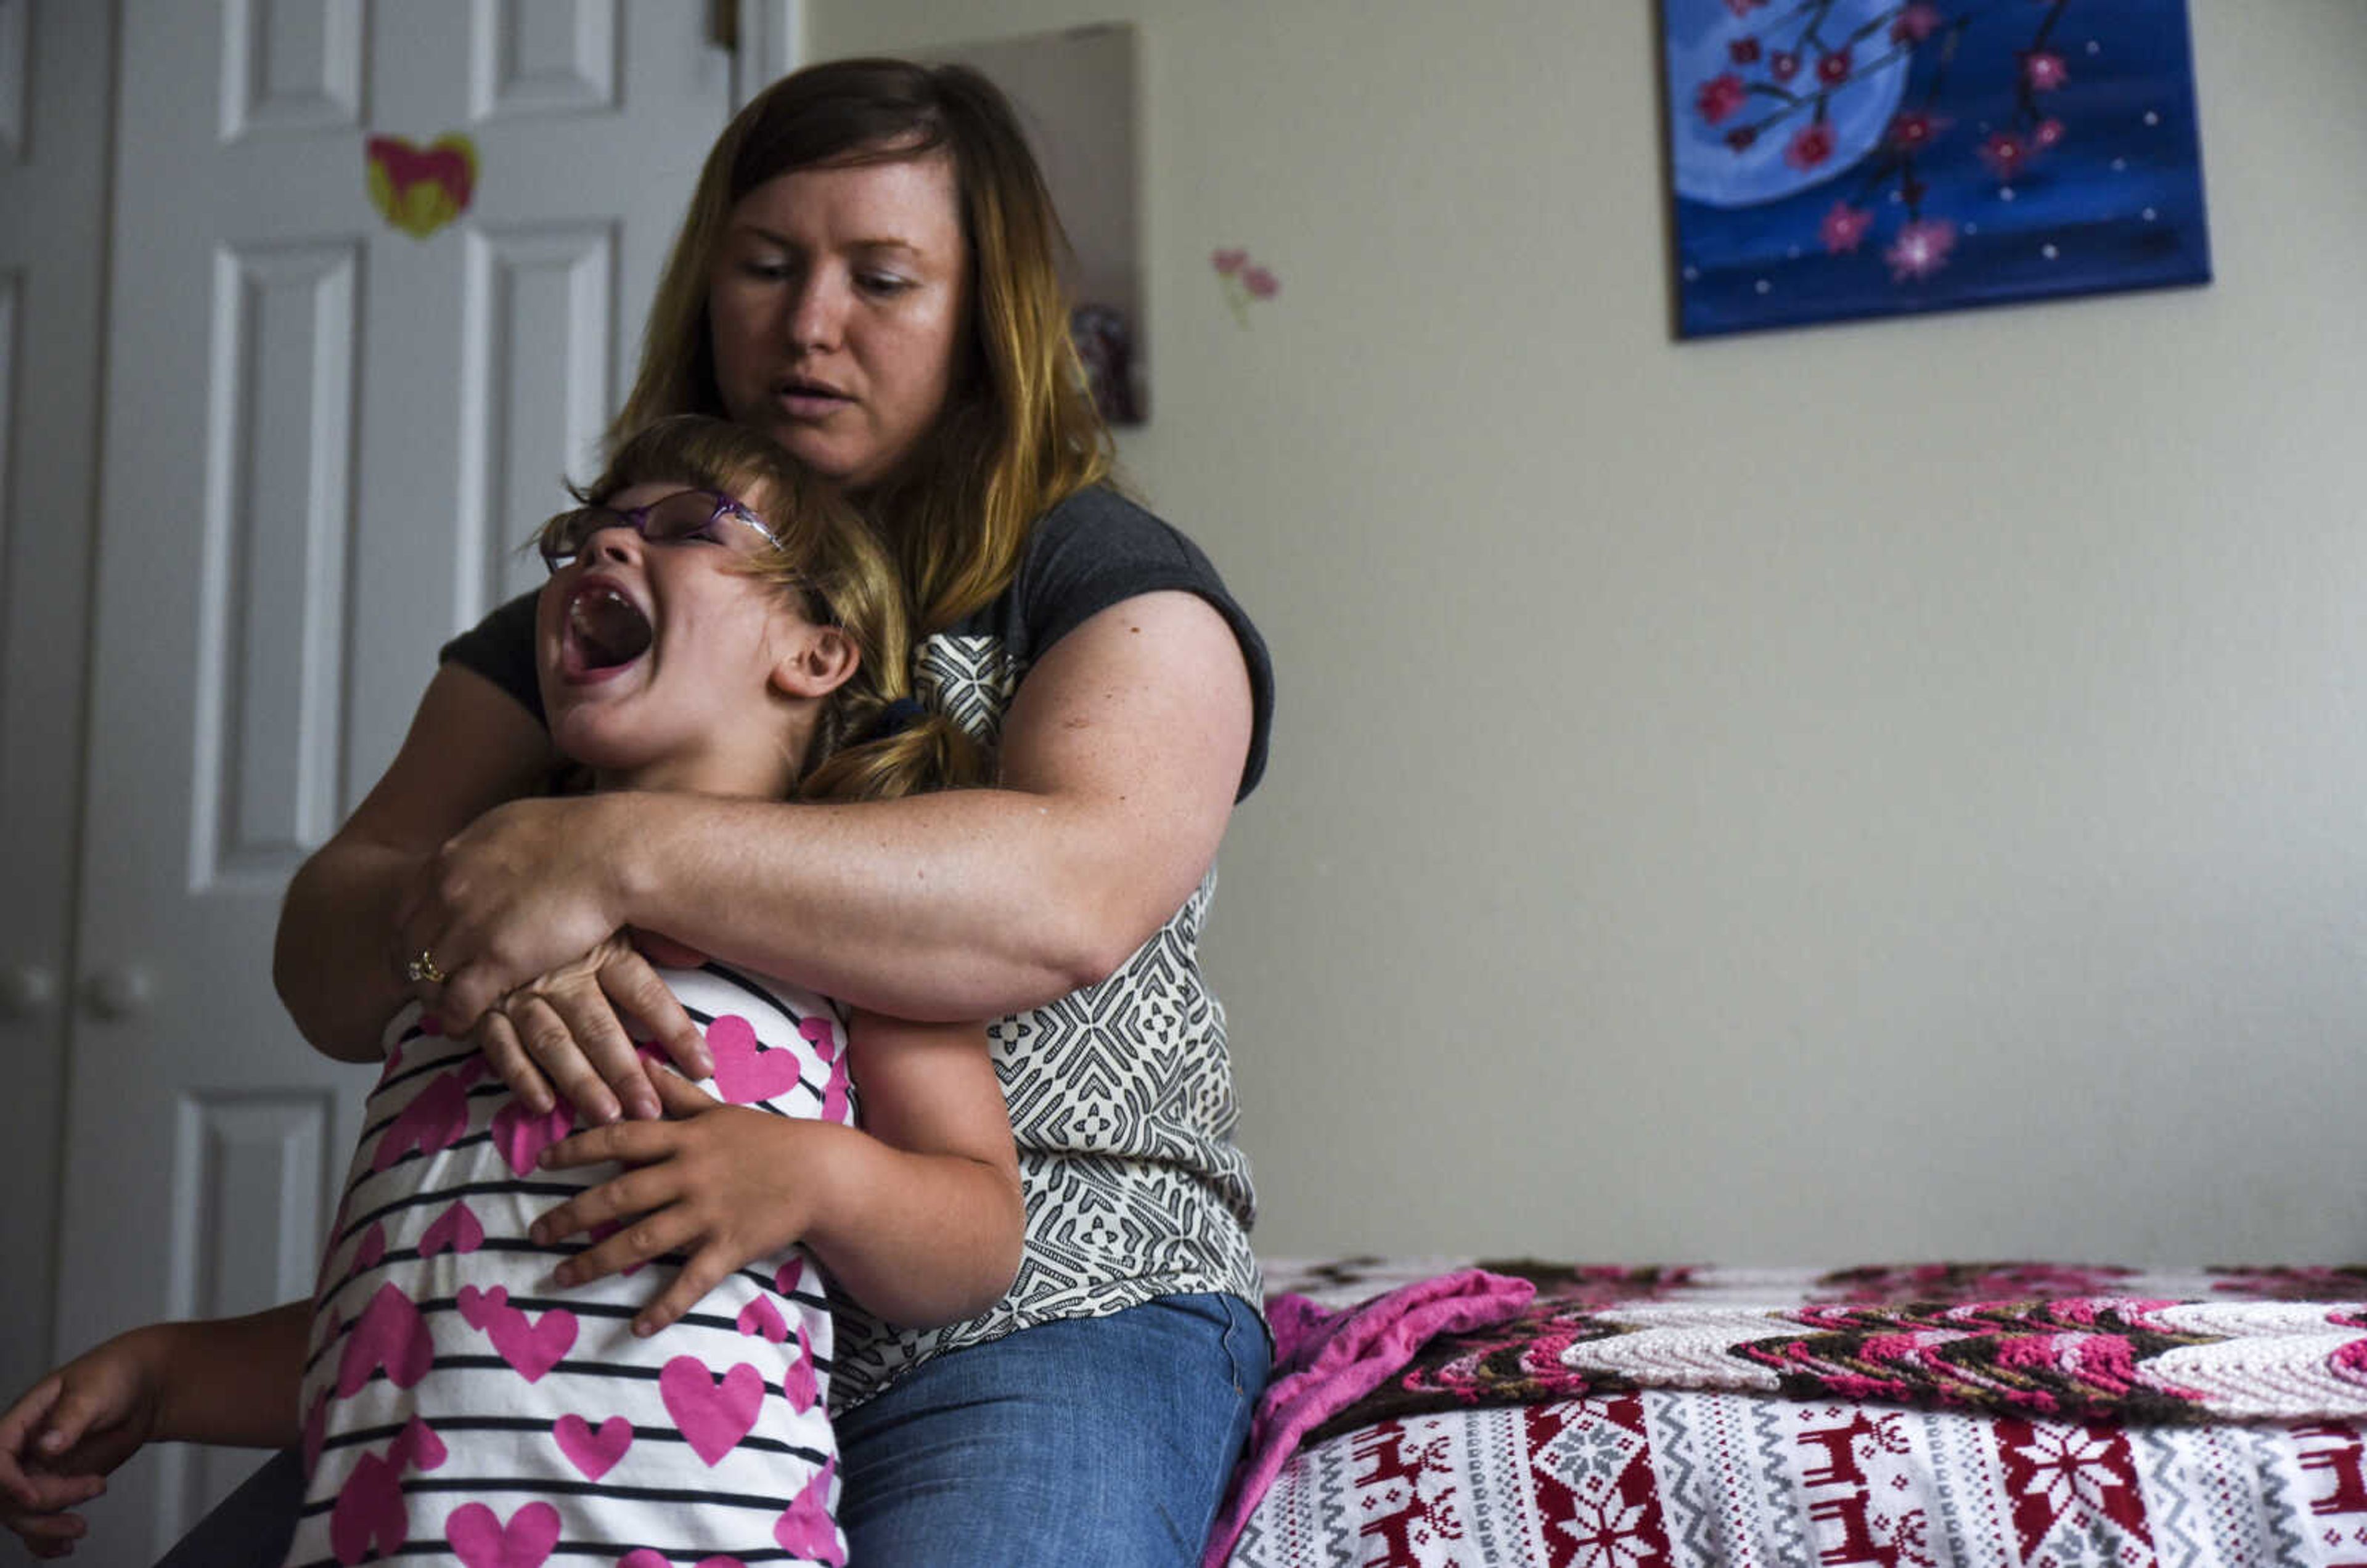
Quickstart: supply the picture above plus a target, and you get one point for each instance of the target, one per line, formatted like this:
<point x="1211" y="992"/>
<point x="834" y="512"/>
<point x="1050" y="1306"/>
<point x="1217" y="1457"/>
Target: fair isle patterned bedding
<point x="1931" y="1416"/>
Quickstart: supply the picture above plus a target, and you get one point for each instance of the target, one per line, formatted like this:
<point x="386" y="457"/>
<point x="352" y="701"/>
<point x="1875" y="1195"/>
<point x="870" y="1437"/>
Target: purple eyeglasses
<point x="669" y="520"/>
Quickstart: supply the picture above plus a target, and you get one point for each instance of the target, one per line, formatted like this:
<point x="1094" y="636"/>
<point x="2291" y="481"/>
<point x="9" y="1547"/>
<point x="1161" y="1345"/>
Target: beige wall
<point x="1864" y="791"/>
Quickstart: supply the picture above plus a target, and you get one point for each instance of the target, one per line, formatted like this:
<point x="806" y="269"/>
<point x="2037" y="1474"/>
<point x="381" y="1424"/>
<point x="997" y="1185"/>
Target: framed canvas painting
<point x="1834" y="159"/>
<point x="1074" y="93"/>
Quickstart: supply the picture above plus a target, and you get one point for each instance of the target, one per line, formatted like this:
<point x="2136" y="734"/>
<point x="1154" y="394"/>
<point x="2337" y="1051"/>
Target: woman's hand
<point x="723" y="1184"/>
<point x="65" y="1434"/>
<point x="527" y="886"/>
<point x="564" y="1029"/>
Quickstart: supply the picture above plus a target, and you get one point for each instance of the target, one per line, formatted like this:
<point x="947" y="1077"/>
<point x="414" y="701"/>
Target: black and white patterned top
<point x="1121" y="1094"/>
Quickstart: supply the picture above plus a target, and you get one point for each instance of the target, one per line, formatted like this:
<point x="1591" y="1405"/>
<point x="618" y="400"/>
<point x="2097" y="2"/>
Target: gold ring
<point x="423" y="967"/>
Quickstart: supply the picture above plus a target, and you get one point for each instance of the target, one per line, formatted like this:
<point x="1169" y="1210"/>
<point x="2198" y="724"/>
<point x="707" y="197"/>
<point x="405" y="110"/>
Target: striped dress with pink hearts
<point x="460" y="1406"/>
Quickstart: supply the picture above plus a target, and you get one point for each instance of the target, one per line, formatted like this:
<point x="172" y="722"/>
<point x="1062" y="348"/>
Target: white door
<point x="53" y="123"/>
<point x="325" y="438"/>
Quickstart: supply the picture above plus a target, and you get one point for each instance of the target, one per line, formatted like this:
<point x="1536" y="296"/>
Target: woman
<point x="865" y="274"/>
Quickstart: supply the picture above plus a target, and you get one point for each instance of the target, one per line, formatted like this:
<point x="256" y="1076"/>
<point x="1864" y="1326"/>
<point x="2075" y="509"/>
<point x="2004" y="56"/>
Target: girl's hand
<point x="724" y="1183"/>
<point x="65" y="1434"/>
<point x="564" y="1029"/>
<point x="524" y="888"/>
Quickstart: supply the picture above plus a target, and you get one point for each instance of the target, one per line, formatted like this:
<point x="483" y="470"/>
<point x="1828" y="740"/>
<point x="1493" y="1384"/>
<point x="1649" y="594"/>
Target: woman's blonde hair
<point x="1021" y="434"/>
<point x="873" y="740"/>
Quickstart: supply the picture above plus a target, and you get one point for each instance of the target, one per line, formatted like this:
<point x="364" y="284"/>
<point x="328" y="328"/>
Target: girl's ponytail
<point x="904" y="750"/>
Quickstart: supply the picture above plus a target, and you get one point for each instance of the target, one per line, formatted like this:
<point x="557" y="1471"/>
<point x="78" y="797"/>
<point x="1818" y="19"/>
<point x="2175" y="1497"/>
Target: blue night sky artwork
<point x="1845" y="158"/>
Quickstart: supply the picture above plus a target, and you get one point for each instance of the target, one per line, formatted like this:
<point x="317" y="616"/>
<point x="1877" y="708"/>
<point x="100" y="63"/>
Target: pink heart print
<point x="595" y="1454"/>
<point x="799" y="1385"/>
<point x="431" y="1122"/>
<point x="743" y="1074"/>
<point x="521" y="1135"/>
<point x="370" y="1512"/>
<point x="316" y="1432"/>
<point x="418" y="1446"/>
<point x="823" y="1035"/>
<point x="390" y="1334"/>
<point x="786" y="1278"/>
<point x="713" y="1417"/>
<point x="481" y="1540"/>
<point x="531" y="1347"/>
<point x="762" y="1318"/>
<point x="456" y="1229"/>
<point x="806" y="1528"/>
<point x="372" y="1250"/>
<point x="833" y="1094"/>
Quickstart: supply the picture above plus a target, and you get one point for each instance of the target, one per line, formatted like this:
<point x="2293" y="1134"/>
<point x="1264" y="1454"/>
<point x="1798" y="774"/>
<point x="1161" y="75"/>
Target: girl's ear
<point x="815" y="662"/>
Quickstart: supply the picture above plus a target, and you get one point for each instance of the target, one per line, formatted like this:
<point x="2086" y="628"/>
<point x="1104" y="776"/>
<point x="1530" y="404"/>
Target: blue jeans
<point x="1105" y="1440"/>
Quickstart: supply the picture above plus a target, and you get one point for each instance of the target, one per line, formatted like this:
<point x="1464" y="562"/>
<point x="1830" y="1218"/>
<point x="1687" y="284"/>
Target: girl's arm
<point x="1119" y="760"/>
<point x="233" y="1379"/>
<point x="917" y="1215"/>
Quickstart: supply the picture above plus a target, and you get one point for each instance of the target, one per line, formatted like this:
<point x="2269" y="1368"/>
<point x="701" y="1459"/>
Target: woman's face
<point x="839" y="308"/>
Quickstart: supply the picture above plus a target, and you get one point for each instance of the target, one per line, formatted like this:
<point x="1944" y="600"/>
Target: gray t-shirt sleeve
<point x="501" y="649"/>
<point x="1096" y="550"/>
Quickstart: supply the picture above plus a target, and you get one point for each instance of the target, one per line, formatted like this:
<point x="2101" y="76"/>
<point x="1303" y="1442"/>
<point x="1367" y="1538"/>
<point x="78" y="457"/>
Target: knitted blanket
<point x="2125" y="1346"/>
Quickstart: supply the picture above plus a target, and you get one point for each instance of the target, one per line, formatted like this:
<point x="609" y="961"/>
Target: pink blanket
<point x="1326" y="1358"/>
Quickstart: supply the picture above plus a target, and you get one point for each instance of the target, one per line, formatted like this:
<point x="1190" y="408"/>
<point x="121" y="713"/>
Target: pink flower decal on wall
<point x="1243" y="281"/>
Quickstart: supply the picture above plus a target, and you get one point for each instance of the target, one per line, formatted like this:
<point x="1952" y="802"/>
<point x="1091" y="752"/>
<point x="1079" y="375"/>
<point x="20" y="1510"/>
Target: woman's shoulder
<point x="1091" y="550"/>
<point x="1098" y="549"/>
<point x="1101" y="523"/>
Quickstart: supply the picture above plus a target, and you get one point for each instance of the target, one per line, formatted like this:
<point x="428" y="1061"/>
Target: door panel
<point x="326" y="437"/>
<point x="54" y="95"/>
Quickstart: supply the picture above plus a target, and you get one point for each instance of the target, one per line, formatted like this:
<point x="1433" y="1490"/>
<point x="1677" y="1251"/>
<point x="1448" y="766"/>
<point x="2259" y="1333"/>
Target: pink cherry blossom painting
<point x="1834" y="159"/>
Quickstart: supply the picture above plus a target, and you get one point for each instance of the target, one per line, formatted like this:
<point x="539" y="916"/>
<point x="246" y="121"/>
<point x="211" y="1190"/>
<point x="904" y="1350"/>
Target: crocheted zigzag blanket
<point x="2030" y="1340"/>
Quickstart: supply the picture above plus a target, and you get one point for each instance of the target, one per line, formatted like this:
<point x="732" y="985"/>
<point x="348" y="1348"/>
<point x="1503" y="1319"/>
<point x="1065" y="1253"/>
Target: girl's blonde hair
<point x="1020" y="434"/>
<point x="873" y="740"/>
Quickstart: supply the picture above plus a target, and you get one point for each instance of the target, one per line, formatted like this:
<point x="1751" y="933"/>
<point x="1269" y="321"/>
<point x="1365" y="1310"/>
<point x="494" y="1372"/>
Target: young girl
<point x="714" y="623"/>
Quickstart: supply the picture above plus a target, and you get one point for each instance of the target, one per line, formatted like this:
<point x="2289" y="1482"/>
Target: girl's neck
<point x="750" y="773"/>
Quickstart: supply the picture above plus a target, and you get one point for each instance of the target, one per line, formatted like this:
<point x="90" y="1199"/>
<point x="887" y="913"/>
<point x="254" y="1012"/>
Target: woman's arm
<point x="917" y="1215"/>
<point x="1119" y="760"/>
<point x="335" y="963"/>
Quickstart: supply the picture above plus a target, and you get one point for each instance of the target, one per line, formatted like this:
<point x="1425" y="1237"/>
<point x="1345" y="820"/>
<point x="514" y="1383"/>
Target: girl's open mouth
<point x="605" y="629"/>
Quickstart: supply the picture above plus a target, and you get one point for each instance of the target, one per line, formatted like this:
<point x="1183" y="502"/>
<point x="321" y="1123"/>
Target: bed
<point x="1436" y="1411"/>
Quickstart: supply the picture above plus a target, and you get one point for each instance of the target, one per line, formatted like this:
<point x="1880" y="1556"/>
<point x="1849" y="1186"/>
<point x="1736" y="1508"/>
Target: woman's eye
<point x="884" y="282"/>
